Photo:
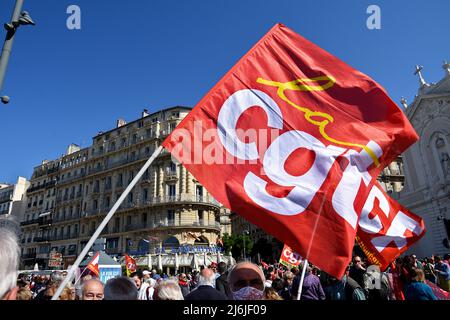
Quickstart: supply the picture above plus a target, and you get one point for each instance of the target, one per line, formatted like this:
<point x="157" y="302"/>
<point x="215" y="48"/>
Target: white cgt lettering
<point x="305" y="186"/>
<point x="396" y="232"/>
<point x="373" y="225"/>
<point x="354" y="174"/>
<point x="229" y="114"/>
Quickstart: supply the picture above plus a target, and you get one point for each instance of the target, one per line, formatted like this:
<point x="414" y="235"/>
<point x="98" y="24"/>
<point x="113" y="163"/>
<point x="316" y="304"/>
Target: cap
<point x="146" y="272"/>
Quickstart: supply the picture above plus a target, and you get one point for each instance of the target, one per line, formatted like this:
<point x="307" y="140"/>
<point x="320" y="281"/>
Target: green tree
<point x="228" y="242"/>
<point x="238" y="248"/>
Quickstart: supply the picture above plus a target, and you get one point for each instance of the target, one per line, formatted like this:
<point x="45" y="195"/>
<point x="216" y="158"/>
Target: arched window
<point x="441" y="153"/>
<point x="171" y="242"/>
<point x="201" y="241"/>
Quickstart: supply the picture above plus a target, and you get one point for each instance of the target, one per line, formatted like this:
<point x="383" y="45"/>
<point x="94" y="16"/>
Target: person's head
<point x="146" y="275"/>
<point x="438" y="260"/>
<point x="207" y="277"/>
<point x="50" y="292"/>
<point x="246" y="281"/>
<point x="357" y="260"/>
<point x="222" y="267"/>
<point x="268" y="275"/>
<point x="278" y="284"/>
<point x="136" y="279"/>
<point x="120" y="288"/>
<point x="9" y="264"/>
<point x="68" y="293"/>
<point x="168" y="290"/>
<point x="417" y="275"/>
<point x="24" y="294"/>
<point x="447" y="256"/>
<point x="56" y="278"/>
<point x="182" y="277"/>
<point x="271" y="294"/>
<point x="288" y="277"/>
<point x="92" y="289"/>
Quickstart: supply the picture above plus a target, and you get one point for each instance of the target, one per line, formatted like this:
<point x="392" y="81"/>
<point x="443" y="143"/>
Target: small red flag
<point x="130" y="264"/>
<point x="93" y="264"/>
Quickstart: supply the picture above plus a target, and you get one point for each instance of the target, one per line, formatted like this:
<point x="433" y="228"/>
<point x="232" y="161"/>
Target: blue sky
<point x="66" y="85"/>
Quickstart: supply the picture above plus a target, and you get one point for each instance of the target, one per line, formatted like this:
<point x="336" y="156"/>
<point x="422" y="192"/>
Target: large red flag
<point x="93" y="264"/>
<point x="291" y="138"/>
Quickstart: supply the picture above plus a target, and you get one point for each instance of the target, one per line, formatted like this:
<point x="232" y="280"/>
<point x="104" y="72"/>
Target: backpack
<point x="354" y="290"/>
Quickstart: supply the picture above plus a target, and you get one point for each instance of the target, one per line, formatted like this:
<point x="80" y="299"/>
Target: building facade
<point x="427" y="164"/>
<point x="12" y="204"/>
<point x="167" y="208"/>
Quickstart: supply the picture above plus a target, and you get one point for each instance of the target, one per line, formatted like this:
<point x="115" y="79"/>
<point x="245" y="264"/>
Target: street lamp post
<point x="245" y="232"/>
<point x="18" y="18"/>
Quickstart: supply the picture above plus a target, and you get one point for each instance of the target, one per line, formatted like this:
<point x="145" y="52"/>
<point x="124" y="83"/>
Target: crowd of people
<point x="406" y="278"/>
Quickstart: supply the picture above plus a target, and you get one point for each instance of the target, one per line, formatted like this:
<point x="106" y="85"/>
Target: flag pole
<point x="105" y="221"/>
<point x="300" y="285"/>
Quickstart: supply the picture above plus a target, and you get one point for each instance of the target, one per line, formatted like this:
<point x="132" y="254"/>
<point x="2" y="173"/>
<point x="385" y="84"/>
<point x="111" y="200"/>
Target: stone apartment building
<point x="70" y="196"/>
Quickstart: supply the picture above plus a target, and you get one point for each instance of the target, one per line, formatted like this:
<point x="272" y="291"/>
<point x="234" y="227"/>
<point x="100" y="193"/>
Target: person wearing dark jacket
<point x="205" y="289"/>
<point x="183" y="282"/>
<point x="221" y="281"/>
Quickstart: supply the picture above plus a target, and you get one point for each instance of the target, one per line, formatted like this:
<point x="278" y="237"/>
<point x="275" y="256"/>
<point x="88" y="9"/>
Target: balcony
<point x="74" y="216"/>
<point x="184" y="224"/>
<point x="171" y="175"/>
<point x="29" y="256"/>
<point x="96" y="169"/>
<point x="44" y="222"/>
<point x="26" y="223"/>
<point x="113" y="251"/>
<point x="42" y="239"/>
<point x="135" y="226"/>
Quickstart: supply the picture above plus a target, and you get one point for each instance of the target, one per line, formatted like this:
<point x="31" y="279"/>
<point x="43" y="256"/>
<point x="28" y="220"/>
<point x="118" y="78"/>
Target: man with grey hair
<point x="9" y="264"/>
<point x="92" y="289"/>
<point x="168" y="290"/>
<point x="120" y="288"/>
<point x="205" y="289"/>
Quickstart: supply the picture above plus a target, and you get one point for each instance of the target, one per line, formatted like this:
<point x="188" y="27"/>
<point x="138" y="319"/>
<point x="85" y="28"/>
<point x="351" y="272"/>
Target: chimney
<point x="120" y="123"/>
<point x="145" y="113"/>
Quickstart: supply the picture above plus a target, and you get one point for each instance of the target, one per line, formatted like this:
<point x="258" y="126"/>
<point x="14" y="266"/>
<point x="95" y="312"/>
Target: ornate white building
<point x="427" y="164"/>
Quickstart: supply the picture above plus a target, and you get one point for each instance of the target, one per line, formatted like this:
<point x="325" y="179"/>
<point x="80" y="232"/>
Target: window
<point x="95" y="205"/>
<point x="200" y="215"/>
<point x="130" y="197"/>
<point x="171" y="215"/>
<point x="107" y="200"/>
<point x="171" y="190"/>
<point x="128" y="220"/>
<point x="145" y="194"/>
<point x="144" y="218"/>
<point x="116" y="224"/>
<point x="154" y="120"/>
<point x="199" y="192"/>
